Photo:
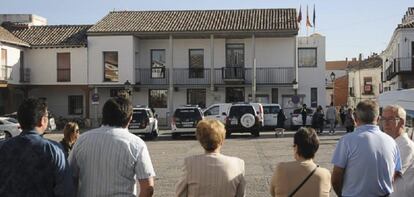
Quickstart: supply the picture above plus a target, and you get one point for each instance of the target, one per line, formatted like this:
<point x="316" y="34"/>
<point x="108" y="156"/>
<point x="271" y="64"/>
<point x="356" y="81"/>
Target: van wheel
<point x="175" y="136"/>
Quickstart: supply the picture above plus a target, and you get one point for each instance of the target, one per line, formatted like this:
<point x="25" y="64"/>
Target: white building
<point x="398" y="66"/>
<point x="173" y="58"/>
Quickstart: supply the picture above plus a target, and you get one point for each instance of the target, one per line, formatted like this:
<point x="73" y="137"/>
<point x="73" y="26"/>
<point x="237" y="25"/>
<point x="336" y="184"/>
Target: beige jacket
<point x="288" y="175"/>
<point x="212" y="175"/>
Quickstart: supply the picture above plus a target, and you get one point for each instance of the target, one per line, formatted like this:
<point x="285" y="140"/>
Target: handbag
<point x="303" y="182"/>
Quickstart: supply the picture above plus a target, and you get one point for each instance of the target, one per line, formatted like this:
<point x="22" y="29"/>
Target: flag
<point x="308" y="23"/>
<point x="314" y="16"/>
<point x="300" y="14"/>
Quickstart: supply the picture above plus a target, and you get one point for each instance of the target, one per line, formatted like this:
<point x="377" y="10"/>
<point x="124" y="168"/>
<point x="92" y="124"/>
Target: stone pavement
<point x="260" y="155"/>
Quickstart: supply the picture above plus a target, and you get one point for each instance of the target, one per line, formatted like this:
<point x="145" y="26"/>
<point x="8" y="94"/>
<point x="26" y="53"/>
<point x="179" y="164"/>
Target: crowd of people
<point x="110" y="161"/>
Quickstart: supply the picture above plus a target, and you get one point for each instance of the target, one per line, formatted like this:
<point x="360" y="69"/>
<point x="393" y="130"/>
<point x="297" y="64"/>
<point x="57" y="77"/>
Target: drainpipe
<point x="254" y="68"/>
<point x="171" y="81"/>
<point x="212" y="62"/>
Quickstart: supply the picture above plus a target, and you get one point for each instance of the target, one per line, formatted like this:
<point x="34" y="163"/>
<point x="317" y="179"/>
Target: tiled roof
<point x="339" y="65"/>
<point x="54" y="35"/>
<point x="6" y="36"/>
<point x="266" y="20"/>
<point x="372" y="62"/>
<point x="406" y="25"/>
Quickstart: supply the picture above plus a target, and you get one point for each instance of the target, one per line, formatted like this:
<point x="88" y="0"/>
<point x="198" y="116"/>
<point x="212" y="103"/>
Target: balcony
<point x="24" y="75"/>
<point x="399" y="66"/>
<point x="222" y="76"/>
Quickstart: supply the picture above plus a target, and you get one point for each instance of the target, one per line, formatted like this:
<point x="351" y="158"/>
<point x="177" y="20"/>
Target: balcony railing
<point x="399" y="65"/>
<point x="24" y="75"/>
<point x="186" y="76"/>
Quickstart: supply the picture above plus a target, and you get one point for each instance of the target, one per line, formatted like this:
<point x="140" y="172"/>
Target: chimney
<point x="346" y="60"/>
<point x="360" y="57"/>
<point x="354" y="59"/>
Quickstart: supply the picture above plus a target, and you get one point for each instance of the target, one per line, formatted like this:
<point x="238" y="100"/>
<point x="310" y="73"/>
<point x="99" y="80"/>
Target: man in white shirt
<point x="110" y="161"/>
<point x="393" y="121"/>
<point x="331" y="117"/>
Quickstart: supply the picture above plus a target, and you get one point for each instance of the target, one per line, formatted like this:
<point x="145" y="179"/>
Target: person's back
<point x="292" y="173"/>
<point x="107" y="158"/>
<point x="31" y="165"/>
<point x="331" y="113"/>
<point x="368" y="169"/>
<point x="214" y="175"/>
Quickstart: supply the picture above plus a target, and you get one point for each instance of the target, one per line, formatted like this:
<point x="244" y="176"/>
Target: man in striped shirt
<point x="110" y="161"/>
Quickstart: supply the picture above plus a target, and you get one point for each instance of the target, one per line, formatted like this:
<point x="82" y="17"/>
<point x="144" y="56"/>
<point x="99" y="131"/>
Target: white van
<point x="259" y="109"/>
<point x="270" y="115"/>
<point x="217" y="111"/>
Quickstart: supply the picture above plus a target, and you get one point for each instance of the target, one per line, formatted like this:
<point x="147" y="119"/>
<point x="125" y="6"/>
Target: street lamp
<point x="295" y="86"/>
<point x="333" y="87"/>
<point x="128" y="87"/>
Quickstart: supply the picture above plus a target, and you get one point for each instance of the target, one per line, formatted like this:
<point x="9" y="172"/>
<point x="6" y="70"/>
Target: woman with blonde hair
<point x="301" y="177"/>
<point x="211" y="173"/>
<point x="70" y="135"/>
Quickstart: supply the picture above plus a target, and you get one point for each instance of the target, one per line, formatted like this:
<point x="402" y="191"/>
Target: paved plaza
<point x="260" y="156"/>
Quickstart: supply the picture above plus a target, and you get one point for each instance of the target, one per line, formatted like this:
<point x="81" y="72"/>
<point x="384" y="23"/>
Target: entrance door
<point x="234" y="95"/>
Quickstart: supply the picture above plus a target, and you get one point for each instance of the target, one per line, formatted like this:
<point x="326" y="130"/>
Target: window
<point x="307" y="57"/>
<point x="196" y="63"/>
<point x="158" y="98"/>
<point x="158" y="63"/>
<point x="111" y="66"/>
<point x="76" y="105"/>
<point x="196" y="97"/>
<point x="235" y="55"/>
<point x="314" y="97"/>
<point x="351" y="92"/>
<point x="63" y="67"/>
<point x="275" y="95"/>
<point x="214" y="111"/>
<point x="3" y="64"/>
<point x="368" y="85"/>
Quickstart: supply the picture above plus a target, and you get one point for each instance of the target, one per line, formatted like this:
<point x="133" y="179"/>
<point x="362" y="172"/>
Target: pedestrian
<point x="301" y="177"/>
<point x="366" y="160"/>
<point x="211" y="173"/>
<point x="70" y="135"/>
<point x="280" y="127"/>
<point x="31" y="165"/>
<point x="331" y="118"/>
<point x="349" y="121"/>
<point x="304" y="113"/>
<point x="109" y="160"/>
<point x="393" y="120"/>
<point x="342" y="115"/>
<point x="318" y="119"/>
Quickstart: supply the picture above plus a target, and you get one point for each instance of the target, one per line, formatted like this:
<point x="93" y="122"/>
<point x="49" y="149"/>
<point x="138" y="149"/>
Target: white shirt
<point x="405" y="186"/>
<point x="107" y="162"/>
<point x="331" y="113"/>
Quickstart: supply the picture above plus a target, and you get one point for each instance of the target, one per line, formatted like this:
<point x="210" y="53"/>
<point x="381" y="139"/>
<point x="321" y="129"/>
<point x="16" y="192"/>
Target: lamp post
<point x="128" y="89"/>
<point x="333" y="87"/>
<point x="295" y="86"/>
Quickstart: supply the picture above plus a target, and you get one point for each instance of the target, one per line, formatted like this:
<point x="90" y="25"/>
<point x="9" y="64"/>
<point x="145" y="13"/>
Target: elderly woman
<point x="70" y="135"/>
<point x="211" y="173"/>
<point x="301" y="177"/>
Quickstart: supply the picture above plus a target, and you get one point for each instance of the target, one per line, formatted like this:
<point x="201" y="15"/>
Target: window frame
<point x="314" y="97"/>
<point x="316" y="57"/>
<point x="117" y="66"/>
<point x="194" y="73"/>
<point x="72" y="109"/>
<point x="198" y="94"/>
<point x="63" y="69"/>
<point x="163" y="69"/>
<point x="151" y="103"/>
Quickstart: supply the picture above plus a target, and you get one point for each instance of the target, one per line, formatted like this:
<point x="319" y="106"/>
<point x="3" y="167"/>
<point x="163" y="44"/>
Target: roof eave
<point x="15" y="43"/>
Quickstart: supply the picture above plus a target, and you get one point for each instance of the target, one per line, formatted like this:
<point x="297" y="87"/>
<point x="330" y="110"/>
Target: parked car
<point x="296" y="118"/>
<point x="50" y="127"/>
<point x="10" y="127"/>
<point x="271" y="112"/>
<point x="217" y="111"/>
<point x="243" y="117"/>
<point x="185" y="120"/>
<point x="144" y="122"/>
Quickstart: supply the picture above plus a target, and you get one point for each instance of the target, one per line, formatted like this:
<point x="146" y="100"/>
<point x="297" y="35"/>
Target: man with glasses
<point x="365" y="161"/>
<point x="31" y="165"/>
<point x="393" y="121"/>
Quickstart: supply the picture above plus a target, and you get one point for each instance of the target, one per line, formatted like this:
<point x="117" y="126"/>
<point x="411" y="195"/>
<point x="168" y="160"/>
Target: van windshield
<point x="241" y="110"/>
<point x="271" y="109"/>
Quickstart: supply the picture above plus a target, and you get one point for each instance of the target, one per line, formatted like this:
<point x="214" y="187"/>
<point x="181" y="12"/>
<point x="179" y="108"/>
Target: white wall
<point x="313" y="77"/>
<point x="13" y="60"/>
<point x="124" y="45"/>
<point x="43" y="65"/>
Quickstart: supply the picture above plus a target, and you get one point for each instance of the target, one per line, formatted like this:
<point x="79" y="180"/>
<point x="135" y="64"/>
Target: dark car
<point x="243" y="118"/>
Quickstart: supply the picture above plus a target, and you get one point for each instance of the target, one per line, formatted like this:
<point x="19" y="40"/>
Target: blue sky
<point x="350" y="26"/>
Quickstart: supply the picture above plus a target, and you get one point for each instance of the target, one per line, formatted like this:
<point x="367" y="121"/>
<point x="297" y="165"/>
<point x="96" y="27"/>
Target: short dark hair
<point x="30" y="113"/>
<point x="367" y="111"/>
<point x="307" y="142"/>
<point x="116" y="112"/>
